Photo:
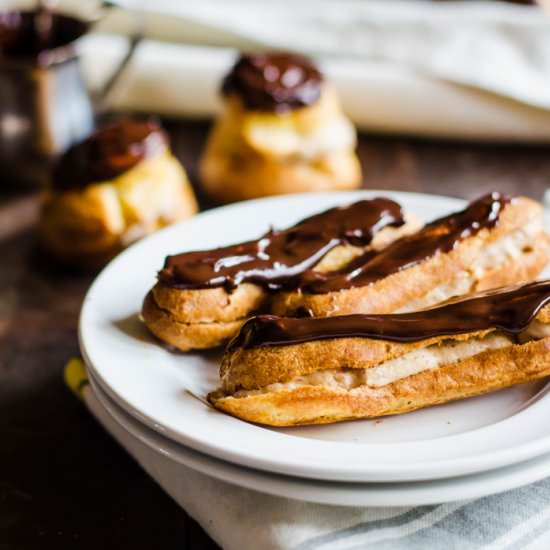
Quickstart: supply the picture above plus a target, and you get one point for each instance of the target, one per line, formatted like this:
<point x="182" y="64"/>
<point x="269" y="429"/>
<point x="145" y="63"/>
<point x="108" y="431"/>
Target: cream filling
<point x="494" y="256"/>
<point x="413" y="362"/>
<point x="537" y="331"/>
<point x="336" y="133"/>
<point x="432" y="357"/>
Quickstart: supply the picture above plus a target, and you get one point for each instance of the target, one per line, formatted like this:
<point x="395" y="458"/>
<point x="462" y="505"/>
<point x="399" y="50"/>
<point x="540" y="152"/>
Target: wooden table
<point x="63" y="482"/>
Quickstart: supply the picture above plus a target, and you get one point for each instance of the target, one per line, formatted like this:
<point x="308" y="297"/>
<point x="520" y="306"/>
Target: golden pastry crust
<point x="483" y="373"/>
<point x="248" y="176"/>
<point x="186" y="336"/>
<point x="207" y="305"/>
<point x="257" y="367"/>
<point x="402" y="291"/>
<point x="88" y="227"/>
<point x="250" y="155"/>
<point x="204" y="318"/>
<point x="253" y="370"/>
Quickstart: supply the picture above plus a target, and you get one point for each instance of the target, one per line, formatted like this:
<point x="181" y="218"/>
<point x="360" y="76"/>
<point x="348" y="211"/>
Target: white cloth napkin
<point x="476" y="70"/>
<point x="472" y="69"/>
<point x="488" y="45"/>
<point x="238" y="518"/>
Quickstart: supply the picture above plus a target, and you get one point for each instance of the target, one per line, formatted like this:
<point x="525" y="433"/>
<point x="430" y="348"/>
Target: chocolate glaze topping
<point x="509" y="309"/>
<point x="440" y="235"/>
<point x="279" y="255"/>
<point x="277" y="82"/>
<point x="110" y="151"/>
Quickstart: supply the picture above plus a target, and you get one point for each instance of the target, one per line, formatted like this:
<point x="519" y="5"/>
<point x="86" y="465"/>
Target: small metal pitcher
<point x="44" y="104"/>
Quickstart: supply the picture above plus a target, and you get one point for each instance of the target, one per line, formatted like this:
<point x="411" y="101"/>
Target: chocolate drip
<point x="282" y="254"/>
<point x="110" y="151"/>
<point x="277" y="82"/>
<point x="508" y="309"/>
<point x="438" y="236"/>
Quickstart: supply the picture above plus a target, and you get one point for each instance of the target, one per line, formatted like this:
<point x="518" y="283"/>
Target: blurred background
<point x="475" y="71"/>
<point x="469" y="71"/>
<point x="463" y="69"/>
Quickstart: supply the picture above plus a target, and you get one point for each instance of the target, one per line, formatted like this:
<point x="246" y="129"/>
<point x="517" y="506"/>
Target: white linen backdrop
<point x="464" y="69"/>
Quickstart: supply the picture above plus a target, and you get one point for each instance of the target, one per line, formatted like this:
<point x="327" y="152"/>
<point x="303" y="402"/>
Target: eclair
<point x="281" y="130"/>
<point x="286" y="372"/>
<point x="202" y="298"/>
<point x="493" y="242"/>
<point x="118" y="185"/>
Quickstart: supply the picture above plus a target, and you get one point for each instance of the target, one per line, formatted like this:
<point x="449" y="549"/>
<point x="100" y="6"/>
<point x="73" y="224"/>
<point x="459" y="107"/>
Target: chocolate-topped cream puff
<point x="282" y="130"/>
<point x="117" y="186"/>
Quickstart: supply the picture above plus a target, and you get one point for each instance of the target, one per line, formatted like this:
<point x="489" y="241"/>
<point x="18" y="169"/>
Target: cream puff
<point x="120" y="184"/>
<point x="282" y="130"/>
<point x="285" y="372"/>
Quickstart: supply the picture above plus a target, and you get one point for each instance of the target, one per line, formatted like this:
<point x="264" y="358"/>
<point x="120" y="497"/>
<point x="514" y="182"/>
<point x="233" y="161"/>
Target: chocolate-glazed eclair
<point x="116" y="186"/>
<point x="282" y="130"/>
<point x="495" y="241"/>
<point x="202" y="298"/>
<point x="285" y="372"/>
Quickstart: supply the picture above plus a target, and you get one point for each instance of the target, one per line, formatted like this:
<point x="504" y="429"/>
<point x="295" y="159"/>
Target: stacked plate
<point x="456" y="451"/>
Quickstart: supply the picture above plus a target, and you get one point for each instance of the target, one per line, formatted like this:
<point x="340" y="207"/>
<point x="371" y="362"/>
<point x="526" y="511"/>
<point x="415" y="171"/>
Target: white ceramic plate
<point x="328" y="492"/>
<point x="158" y="386"/>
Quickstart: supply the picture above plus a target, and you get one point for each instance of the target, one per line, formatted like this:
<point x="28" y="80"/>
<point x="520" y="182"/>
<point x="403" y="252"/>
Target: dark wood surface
<point x="63" y="482"/>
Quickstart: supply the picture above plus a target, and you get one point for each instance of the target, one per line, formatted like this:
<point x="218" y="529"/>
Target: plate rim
<point x="417" y="493"/>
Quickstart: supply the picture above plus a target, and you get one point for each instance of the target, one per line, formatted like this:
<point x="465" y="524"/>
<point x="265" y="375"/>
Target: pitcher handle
<point x="136" y="36"/>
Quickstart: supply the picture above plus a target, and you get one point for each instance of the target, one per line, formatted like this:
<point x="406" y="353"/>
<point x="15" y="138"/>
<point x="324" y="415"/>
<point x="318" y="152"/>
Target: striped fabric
<point x="513" y="520"/>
